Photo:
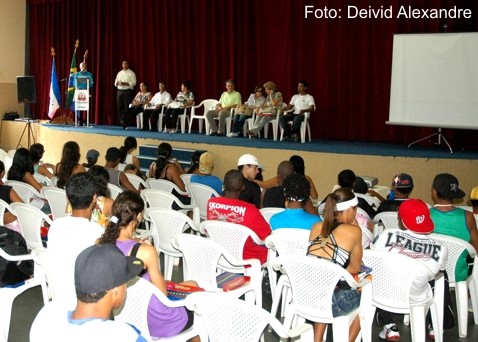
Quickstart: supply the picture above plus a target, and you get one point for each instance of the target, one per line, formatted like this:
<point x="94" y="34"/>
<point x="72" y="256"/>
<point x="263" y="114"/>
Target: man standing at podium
<point x="81" y="85"/>
<point x="125" y="82"/>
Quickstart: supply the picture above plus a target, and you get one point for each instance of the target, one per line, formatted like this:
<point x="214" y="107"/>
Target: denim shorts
<point x="344" y="301"/>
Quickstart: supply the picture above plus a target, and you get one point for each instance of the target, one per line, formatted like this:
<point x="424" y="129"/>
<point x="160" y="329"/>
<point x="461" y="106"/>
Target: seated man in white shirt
<point x="413" y="241"/>
<point x="302" y="103"/>
<point x="152" y="110"/>
<point x="70" y="235"/>
<point x="101" y="274"/>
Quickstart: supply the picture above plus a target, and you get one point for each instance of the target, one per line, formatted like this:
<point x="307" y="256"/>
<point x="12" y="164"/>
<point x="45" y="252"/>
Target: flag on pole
<point x="71" y="80"/>
<point x="55" y="94"/>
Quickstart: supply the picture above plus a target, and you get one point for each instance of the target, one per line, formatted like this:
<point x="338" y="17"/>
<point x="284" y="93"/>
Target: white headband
<point x="347" y="204"/>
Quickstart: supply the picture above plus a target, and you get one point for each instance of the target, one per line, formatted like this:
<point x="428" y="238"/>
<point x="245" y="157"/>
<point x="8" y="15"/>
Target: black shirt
<point x="251" y="193"/>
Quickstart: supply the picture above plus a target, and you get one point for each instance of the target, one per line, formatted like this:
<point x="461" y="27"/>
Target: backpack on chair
<point x="12" y="272"/>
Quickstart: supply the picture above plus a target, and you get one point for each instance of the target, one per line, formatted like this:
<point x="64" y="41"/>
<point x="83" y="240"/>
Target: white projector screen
<point x="435" y="80"/>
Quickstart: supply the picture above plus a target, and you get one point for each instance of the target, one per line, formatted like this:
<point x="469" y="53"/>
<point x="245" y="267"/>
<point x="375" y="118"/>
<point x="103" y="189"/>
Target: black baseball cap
<point x="101" y="268"/>
<point x="447" y="186"/>
<point x="402" y="180"/>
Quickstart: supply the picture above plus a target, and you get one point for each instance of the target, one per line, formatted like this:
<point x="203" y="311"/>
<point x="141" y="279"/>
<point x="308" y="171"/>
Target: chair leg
<point x="461" y="293"/>
<point x="275" y="127"/>
<point x="473" y="288"/>
<point x="200" y="126"/>
<point x="168" y="266"/>
<point x="417" y="323"/>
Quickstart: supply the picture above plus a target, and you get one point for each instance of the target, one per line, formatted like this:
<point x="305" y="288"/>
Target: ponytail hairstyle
<point x="164" y="153"/>
<point x="195" y="161"/>
<point x="128" y="144"/>
<point x="126" y="208"/>
<point x="330" y="212"/>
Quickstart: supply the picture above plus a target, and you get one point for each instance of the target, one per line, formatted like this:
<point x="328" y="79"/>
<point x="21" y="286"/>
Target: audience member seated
<point x="474" y="199"/>
<point x="453" y="221"/>
<point x="69" y="235"/>
<point x="274" y="196"/>
<point x="206" y="165"/>
<point x="346" y="180"/>
<point x="128" y="209"/>
<point x="194" y="166"/>
<point x="101" y="274"/>
<point x="229" y="99"/>
<point x="301" y="103"/>
<point x="414" y="242"/>
<point x="184" y="100"/>
<point x="154" y="107"/>
<point x="118" y="178"/>
<point x="142" y="98"/>
<point x="267" y="112"/>
<point x="104" y="203"/>
<point x="297" y="194"/>
<point x="402" y="186"/>
<point x="254" y="101"/>
<point x="129" y="146"/>
<point x="22" y="169"/>
<point x="91" y="158"/>
<point x="69" y="164"/>
<point x="9" y="195"/>
<point x="229" y="207"/>
<point x="339" y="239"/>
<point x="36" y="152"/>
<point x="249" y="167"/>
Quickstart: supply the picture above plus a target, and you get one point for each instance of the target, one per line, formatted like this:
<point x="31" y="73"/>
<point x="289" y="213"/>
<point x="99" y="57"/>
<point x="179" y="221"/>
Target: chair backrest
<point x="45" y="181"/>
<point x="231" y="319"/>
<point x="3" y="205"/>
<point x="165" y="185"/>
<point x="31" y="220"/>
<point x="186" y="177"/>
<point x="167" y="224"/>
<point x="393" y="275"/>
<point x="114" y="190"/>
<point x="455" y="247"/>
<point x="231" y="236"/>
<point x="156" y="198"/>
<point x="313" y="282"/>
<point x="385" y="220"/>
<point x="136" y="181"/>
<point x="288" y="241"/>
<point x="200" y="195"/>
<point x="373" y="201"/>
<point x="207" y="104"/>
<point x="269" y="212"/>
<point x="54" y="180"/>
<point x="24" y="190"/>
<point x="57" y="199"/>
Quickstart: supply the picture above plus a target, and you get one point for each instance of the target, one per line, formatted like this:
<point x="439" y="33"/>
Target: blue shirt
<point x="209" y="180"/>
<point x="82" y="74"/>
<point x="294" y="218"/>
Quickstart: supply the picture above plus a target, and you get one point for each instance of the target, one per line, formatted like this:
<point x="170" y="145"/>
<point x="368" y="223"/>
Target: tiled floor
<point x="28" y="304"/>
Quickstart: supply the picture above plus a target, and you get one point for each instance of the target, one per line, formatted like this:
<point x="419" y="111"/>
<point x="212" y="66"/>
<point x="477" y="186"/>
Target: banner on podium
<point x="82" y="99"/>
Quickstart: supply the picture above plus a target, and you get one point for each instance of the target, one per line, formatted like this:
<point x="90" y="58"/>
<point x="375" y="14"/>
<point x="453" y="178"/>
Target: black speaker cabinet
<point x="26" y="92"/>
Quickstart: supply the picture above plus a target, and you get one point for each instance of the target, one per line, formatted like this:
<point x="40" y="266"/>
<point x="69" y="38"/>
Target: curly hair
<point x="128" y="144"/>
<point x="296" y="188"/>
<point x="330" y="214"/>
<point x="126" y="208"/>
<point x="69" y="159"/>
<point x="102" y="177"/>
<point x="22" y="163"/>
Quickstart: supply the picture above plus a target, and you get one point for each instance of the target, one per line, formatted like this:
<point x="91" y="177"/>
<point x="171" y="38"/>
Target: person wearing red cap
<point x="413" y="241"/>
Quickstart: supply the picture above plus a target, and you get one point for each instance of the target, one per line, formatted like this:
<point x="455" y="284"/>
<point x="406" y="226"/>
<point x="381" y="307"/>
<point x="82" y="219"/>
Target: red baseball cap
<point x="415" y="216"/>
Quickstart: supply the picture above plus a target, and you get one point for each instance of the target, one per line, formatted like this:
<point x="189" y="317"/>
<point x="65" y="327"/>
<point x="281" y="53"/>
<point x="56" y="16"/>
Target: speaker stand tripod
<point x="440" y="137"/>
<point x="29" y="131"/>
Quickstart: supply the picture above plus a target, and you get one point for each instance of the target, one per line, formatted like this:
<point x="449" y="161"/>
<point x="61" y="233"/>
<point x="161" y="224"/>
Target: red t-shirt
<point x="238" y="211"/>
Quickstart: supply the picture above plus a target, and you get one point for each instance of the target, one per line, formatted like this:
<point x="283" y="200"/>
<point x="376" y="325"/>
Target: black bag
<point x="12" y="272"/>
<point x="10" y="116"/>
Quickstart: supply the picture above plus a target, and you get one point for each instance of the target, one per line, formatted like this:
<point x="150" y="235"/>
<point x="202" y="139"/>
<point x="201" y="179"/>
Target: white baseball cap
<point x="247" y="159"/>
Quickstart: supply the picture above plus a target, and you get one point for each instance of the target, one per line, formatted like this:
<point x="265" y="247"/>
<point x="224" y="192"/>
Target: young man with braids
<point x="296" y="194"/>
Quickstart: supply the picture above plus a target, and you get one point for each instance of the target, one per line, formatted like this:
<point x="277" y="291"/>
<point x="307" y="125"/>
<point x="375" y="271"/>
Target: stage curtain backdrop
<point x="347" y="62"/>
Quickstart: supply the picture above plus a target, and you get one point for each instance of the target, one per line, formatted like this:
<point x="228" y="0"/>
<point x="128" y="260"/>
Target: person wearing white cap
<point x="414" y="242"/>
<point x="249" y="167"/>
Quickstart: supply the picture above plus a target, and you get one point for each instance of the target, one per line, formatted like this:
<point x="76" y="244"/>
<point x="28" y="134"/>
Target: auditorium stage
<point x="324" y="159"/>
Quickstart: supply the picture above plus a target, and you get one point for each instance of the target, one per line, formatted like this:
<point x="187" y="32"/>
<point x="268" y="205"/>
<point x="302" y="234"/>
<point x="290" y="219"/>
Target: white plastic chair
<point x="234" y="320"/>
<point x="313" y="282"/>
<point x="186" y="177"/>
<point x="26" y="192"/>
<point x="165" y="185"/>
<point x="57" y="199"/>
<point x="304" y="128"/>
<point x="54" y="180"/>
<point x="167" y="224"/>
<point x="455" y="248"/>
<point x="232" y="237"/>
<point x="136" y="181"/>
<point x="200" y="195"/>
<point x="31" y="220"/>
<point x="3" y="205"/>
<point x="114" y="190"/>
<point x="8" y="294"/>
<point x="385" y="220"/>
<point x="182" y="119"/>
<point x="205" y="259"/>
<point x="392" y="278"/>
<point x="208" y="105"/>
<point x="267" y="213"/>
<point x="45" y="181"/>
<point x="371" y="200"/>
<point x="135" y="310"/>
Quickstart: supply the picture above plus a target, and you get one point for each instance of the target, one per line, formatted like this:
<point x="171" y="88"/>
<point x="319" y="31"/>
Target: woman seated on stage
<point x="267" y="112"/>
<point x="254" y="101"/>
<point x="183" y="100"/>
<point x="142" y="98"/>
<point x="69" y="164"/>
<point x="339" y="239"/>
<point x="163" y="321"/>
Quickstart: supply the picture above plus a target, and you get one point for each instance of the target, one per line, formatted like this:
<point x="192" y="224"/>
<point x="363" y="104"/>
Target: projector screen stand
<point x="440" y="138"/>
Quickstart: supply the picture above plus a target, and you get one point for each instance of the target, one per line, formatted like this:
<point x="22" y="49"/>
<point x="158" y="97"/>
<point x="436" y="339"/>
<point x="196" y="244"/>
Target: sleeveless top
<point x="114" y="177"/>
<point x="163" y="321"/>
<point x="336" y="254"/>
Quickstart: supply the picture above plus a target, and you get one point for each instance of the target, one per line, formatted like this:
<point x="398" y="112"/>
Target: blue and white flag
<point x="55" y="94"/>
